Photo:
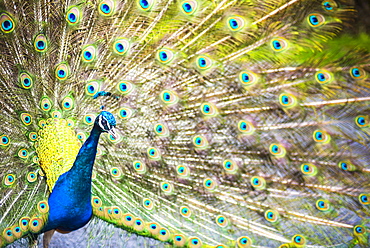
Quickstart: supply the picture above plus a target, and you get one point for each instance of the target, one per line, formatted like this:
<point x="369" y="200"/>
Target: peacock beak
<point x="112" y="132"/>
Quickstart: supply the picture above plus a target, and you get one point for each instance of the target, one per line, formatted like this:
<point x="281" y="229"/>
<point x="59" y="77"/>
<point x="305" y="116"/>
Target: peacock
<point x="183" y="123"/>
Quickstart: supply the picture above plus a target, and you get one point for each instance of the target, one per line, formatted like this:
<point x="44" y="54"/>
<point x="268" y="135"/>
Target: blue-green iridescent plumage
<point x="240" y="123"/>
<point x="67" y="193"/>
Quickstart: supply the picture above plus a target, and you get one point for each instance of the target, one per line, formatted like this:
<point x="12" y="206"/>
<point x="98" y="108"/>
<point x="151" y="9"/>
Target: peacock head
<point x="106" y="122"/>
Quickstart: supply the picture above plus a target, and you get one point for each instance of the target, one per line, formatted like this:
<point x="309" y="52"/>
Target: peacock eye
<point x="89" y="119"/>
<point x="359" y="230"/>
<point x="106" y="8"/>
<point x="203" y="62"/>
<point x="323" y="205"/>
<point x="364" y="199"/>
<point x="324" y="77"/>
<point x="43" y="207"/>
<point x="145" y="5"/>
<point x="320" y="136"/>
<point x="244" y="241"/>
<point x="128" y="219"/>
<point x="116" y="172"/>
<point x="23" y="153"/>
<point x="7" y="23"/>
<point x="32" y="136"/>
<point x="35" y="159"/>
<point x="230" y="166"/>
<point x="272" y="216"/>
<point x="165" y="56"/>
<point x="9" y="180"/>
<point x="89" y="54"/>
<point x="258" y="183"/>
<point x="308" y="169"/>
<point x="8" y="232"/>
<point x="235" y="23"/>
<point x="167" y="188"/>
<point x="125" y="87"/>
<point x="179" y="240"/>
<point x="23" y="223"/>
<point x="41" y="43"/>
<point x="73" y="15"/>
<point x="169" y="97"/>
<point x="138" y="224"/>
<point x="31" y="177"/>
<point x="4" y="140"/>
<point x="200" y="142"/>
<point x="357" y="73"/>
<point x="161" y="130"/>
<point x="185" y="211"/>
<point x="183" y="171"/>
<point x="277" y="150"/>
<point x="125" y="113"/>
<point x="70" y="123"/>
<point x="36" y="224"/>
<point x="81" y="136"/>
<point x="62" y="71"/>
<point x="148" y="203"/>
<point x="362" y="121"/>
<point x="346" y="165"/>
<point x="208" y="109"/>
<point x="153" y="153"/>
<point x="299" y="240"/>
<point x="46" y="104"/>
<point x="154" y="228"/>
<point x="116" y="213"/>
<point x="25" y="80"/>
<point x="329" y="5"/>
<point x="246" y="127"/>
<point x="139" y="167"/>
<point x="164" y="234"/>
<point x="279" y="44"/>
<point x="96" y="202"/>
<point x="68" y="103"/>
<point x="248" y="78"/>
<point x="92" y="87"/>
<point x="315" y="20"/>
<point x="26" y="119"/>
<point x="195" y="242"/>
<point x="210" y="184"/>
<point x="121" y="46"/>
<point x="189" y="7"/>
<point x="222" y="221"/>
<point x="287" y="100"/>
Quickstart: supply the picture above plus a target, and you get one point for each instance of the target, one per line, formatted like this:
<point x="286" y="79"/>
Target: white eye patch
<point x="103" y="123"/>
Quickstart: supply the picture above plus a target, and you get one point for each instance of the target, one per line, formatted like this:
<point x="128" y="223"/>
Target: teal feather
<point x="239" y="123"/>
<point x="67" y="193"/>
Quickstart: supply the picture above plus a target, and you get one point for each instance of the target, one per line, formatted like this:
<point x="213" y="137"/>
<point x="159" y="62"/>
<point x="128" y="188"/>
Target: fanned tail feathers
<point x="240" y="123"/>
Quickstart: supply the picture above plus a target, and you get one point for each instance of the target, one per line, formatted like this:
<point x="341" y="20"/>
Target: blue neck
<point x="70" y="200"/>
<point x="84" y="163"/>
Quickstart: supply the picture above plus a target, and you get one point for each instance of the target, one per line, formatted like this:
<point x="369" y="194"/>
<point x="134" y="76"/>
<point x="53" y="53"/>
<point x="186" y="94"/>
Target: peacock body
<point x="238" y="123"/>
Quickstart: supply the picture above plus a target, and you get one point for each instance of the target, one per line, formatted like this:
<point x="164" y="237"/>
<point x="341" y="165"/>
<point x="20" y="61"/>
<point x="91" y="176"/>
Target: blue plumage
<point x="241" y="123"/>
<point x="70" y="200"/>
